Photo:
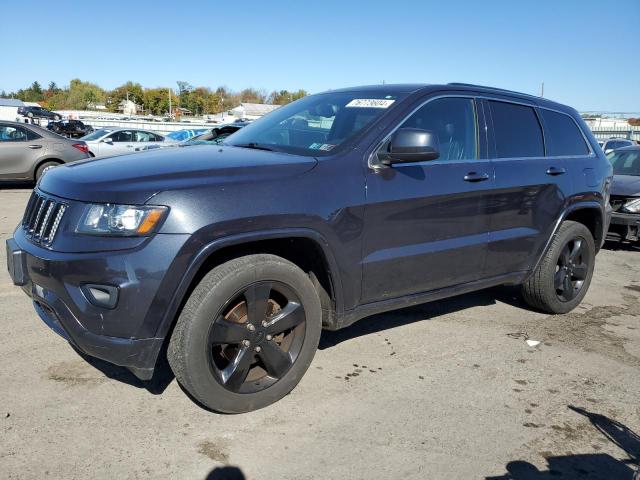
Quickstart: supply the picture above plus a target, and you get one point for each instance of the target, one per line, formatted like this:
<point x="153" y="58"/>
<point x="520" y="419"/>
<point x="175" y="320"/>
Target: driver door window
<point x="453" y="120"/>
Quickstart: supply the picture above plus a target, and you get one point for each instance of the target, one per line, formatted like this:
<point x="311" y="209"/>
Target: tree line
<point x="80" y="95"/>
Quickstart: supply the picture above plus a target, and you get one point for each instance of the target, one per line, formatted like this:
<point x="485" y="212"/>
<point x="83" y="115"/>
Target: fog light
<point x="104" y="296"/>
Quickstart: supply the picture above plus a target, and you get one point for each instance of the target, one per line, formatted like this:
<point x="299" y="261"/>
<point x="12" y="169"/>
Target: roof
<point x="390" y="88"/>
<point x="425" y="87"/>
<point x="255" y="109"/>
<point x="11" y="102"/>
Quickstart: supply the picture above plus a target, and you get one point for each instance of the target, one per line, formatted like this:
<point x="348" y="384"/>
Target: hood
<point x="134" y="178"/>
<point x="626" y="185"/>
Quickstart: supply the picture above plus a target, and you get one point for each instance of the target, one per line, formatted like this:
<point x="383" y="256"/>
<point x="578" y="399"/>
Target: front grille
<point x="42" y="219"/>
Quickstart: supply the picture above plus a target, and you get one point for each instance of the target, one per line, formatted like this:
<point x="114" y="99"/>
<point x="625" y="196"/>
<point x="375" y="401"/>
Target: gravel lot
<point x="444" y="390"/>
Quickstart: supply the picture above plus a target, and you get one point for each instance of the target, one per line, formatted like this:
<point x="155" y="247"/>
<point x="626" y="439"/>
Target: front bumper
<point x="124" y="335"/>
<point x="626" y="225"/>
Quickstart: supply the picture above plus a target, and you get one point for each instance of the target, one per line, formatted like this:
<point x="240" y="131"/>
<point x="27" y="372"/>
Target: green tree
<point x="133" y="90"/>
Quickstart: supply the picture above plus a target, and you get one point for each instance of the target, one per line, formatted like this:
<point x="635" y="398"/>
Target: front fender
<point x="198" y="253"/>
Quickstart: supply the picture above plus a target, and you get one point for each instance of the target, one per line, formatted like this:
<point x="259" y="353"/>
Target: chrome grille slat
<point x="42" y="219"/>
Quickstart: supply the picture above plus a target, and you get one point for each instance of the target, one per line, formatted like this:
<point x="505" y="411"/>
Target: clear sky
<point x="587" y="52"/>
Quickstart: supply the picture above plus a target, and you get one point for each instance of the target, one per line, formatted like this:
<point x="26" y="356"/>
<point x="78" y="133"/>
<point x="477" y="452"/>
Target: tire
<point x="218" y="329"/>
<point x="562" y="278"/>
<point x="43" y="168"/>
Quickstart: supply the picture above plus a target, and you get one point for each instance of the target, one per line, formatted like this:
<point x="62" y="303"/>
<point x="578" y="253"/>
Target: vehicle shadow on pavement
<point x="427" y="311"/>
<point x="162" y="375"/>
<point x="16" y="185"/>
<point x="593" y="466"/>
<point x="226" y="473"/>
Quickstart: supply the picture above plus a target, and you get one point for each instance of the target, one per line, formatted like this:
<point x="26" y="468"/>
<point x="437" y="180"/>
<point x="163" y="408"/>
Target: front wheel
<point x="562" y="278"/>
<point x="247" y="334"/>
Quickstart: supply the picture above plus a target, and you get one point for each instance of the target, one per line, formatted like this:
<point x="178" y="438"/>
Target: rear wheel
<point x="562" y="278"/>
<point x="247" y="334"/>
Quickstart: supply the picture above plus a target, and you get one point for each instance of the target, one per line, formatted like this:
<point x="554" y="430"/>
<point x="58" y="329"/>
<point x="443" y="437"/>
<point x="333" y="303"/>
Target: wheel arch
<point x="304" y="247"/>
<point x="589" y="214"/>
<point x="42" y="161"/>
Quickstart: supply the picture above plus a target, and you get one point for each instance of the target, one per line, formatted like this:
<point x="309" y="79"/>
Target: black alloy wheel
<point x="257" y="337"/>
<point x="571" y="270"/>
<point x="247" y="333"/>
<point x="563" y="275"/>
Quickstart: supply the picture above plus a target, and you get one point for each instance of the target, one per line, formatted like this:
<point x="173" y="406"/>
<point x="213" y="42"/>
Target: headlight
<point x="127" y="220"/>
<point x="632" y="206"/>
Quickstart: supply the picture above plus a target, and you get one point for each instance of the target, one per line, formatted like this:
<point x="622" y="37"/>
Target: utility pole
<point x="170" y="103"/>
<point x="542" y="90"/>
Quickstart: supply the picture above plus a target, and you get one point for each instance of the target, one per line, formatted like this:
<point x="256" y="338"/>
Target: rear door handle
<point x="35" y="147"/>
<point x="553" y="171"/>
<point x="476" y="177"/>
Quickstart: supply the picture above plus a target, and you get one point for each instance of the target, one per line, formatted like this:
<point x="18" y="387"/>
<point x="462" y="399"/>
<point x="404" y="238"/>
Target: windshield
<point x="96" y="135"/>
<point x="625" y="162"/>
<point x="317" y="124"/>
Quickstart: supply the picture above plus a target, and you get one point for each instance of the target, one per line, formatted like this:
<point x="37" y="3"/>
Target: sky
<point x="586" y="52"/>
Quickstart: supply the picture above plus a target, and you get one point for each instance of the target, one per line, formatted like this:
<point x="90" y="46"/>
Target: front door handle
<point x="476" y="177"/>
<point x="553" y="171"/>
<point x="35" y="147"/>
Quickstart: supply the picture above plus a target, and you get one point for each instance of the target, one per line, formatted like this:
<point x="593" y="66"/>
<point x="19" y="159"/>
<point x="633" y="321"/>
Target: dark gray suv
<point x="328" y="210"/>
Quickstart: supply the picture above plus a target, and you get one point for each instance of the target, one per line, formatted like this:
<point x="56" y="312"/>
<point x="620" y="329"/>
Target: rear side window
<point x="563" y="135"/>
<point x="517" y="130"/>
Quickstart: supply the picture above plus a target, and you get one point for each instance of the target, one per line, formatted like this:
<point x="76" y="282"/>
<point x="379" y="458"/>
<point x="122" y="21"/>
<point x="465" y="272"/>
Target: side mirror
<point x="412" y="145"/>
<point x="108" y="140"/>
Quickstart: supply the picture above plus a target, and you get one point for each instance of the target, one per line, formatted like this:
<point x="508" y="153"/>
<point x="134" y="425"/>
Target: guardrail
<point x="630" y="133"/>
<point x="160" y="127"/>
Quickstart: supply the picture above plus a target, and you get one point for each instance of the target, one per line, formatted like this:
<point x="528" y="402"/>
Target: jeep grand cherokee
<point x="328" y="210"/>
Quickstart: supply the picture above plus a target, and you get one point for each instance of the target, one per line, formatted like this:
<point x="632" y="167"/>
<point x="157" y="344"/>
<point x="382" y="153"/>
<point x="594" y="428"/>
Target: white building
<point x="252" y="110"/>
<point x="128" y="107"/>
<point x="9" y="108"/>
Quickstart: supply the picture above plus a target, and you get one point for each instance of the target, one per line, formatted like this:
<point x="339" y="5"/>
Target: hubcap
<point x="571" y="270"/>
<point x="257" y="337"/>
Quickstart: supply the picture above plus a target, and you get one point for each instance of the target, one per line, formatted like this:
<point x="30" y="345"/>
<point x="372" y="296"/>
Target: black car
<point x="327" y="210"/>
<point x="38" y="112"/>
<point x="70" y="128"/>
<point x="625" y="192"/>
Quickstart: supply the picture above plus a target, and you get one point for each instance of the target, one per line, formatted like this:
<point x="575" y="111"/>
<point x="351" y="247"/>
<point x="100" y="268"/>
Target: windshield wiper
<point x="254" y="145"/>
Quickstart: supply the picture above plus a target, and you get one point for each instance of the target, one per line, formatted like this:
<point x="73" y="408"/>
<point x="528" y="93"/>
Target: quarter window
<point x="453" y="120"/>
<point x="563" y="136"/>
<point x="517" y="130"/>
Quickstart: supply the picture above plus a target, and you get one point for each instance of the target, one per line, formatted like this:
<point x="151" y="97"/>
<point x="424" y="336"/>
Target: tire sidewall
<point x="201" y="379"/>
<point x="576" y="230"/>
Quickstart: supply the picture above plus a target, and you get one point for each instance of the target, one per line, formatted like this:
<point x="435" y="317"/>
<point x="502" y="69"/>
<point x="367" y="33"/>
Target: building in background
<point x="9" y="108"/>
<point x="128" y="107"/>
<point x="252" y="111"/>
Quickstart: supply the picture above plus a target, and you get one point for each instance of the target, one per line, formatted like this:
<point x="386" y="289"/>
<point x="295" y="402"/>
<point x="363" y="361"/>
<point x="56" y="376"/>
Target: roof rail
<point x="493" y="88"/>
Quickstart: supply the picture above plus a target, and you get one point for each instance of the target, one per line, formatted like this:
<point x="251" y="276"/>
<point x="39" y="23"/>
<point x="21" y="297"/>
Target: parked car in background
<point x="614" y="143"/>
<point x="213" y="136"/>
<point x="118" y="141"/>
<point x="625" y="192"/>
<point x="38" y="112"/>
<point x="182" y="135"/>
<point x="28" y="151"/>
<point x="333" y="208"/>
<point x="70" y="128"/>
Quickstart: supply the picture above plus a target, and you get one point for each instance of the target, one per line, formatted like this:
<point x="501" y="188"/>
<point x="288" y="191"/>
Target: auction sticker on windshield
<point x="369" y="103"/>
